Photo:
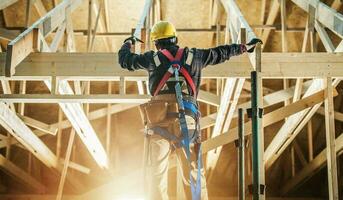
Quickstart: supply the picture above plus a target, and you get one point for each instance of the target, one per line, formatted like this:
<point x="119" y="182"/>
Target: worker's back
<point x="194" y="60"/>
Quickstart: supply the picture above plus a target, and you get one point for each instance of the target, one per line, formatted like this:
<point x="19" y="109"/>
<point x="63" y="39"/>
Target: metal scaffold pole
<point x="256" y="113"/>
<point x="240" y="144"/>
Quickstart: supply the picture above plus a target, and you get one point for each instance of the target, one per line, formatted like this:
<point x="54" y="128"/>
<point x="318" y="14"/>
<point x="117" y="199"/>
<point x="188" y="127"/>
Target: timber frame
<point x="29" y="57"/>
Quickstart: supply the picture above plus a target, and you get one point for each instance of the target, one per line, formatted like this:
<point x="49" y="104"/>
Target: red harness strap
<point x="170" y="71"/>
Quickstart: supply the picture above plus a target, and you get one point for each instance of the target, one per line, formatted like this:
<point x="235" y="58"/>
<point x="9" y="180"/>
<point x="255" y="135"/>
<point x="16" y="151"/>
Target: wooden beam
<point x="74" y="165"/>
<point x="283" y="135"/>
<point x="283" y="25"/>
<point x="294" y="125"/>
<point x="326" y="15"/>
<point x="107" y="15"/>
<point x="268" y="100"/>
<point x="94" y="66"/>
<point x="98" y="14"/>
<point x="220" y="120"/>
<point x="299" y="153"/>
<point x="233" y="87"/>
<point x="6" y="3"/>
<point x="108" y="122"/>
<point x="5" y="84"/>
<point x="338" y="115"/>
<point x="268" y="119"/>
<point x="330" y="140"/>
<point x="273" y="13"/>
<point x="14" y="125"/>
<point x="38" y="5"/>
<point x="336" y="4"/>
<point x="20" y="175"/>
<point x="89" y="30"/>
<point x="58" y="37"/>
<point x="38" y="124"/>
<point x="8" y="35"/>
<point x="95" y="7"/>
<point x="324" y="37"/>
<point x="310" y="140"/>
<point x="263" y="13"/>
<point x="92" y="98"/>
<point x="313" y="167"/>
<point x="209" y="98"/>
<point x="24" y="44"/>
<point x="65" y="167"/>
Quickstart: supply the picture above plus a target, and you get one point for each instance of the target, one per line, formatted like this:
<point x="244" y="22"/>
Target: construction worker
<point x="171" y="117"/>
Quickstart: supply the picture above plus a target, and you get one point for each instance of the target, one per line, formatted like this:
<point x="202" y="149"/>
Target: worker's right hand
<point x="252" y="44"/>
<point x="132" y="40"/>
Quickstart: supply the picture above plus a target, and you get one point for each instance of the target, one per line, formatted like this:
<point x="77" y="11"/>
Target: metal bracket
<point x="238" y="143"/>
<point x="251" y="113"/>
<point x="262" y="189"/>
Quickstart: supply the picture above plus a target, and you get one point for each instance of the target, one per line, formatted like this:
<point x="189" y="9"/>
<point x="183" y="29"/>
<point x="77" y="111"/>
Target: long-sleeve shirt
<point x="201" y="59"/>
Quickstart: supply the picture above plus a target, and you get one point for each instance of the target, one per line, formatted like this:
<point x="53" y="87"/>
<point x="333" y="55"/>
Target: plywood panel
<point x="187" y="14"/>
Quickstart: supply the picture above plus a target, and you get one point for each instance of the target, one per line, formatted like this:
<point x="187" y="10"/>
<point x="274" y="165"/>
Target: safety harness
<point x="186" y="106"/>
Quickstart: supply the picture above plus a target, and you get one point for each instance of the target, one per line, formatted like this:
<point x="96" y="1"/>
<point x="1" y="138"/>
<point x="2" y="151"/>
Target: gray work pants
<point x="157" y="170"/>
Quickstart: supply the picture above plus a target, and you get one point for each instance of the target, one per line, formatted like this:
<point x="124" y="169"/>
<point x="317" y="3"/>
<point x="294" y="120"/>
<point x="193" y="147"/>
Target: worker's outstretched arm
<point x="132" y="61"/>
<point x="220" y="54"/>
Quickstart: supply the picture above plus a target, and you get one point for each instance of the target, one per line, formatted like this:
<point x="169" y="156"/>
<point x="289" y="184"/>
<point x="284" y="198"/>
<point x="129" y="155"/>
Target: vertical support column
<point x="256" y="113"/>
<point x="66" y="164"/>
<point x="330" y="140"/>
<point x="89" y="32"/>
<point x="108" y="123"/>
<point x="310" y="140"/>
<point x="240" y="144"/>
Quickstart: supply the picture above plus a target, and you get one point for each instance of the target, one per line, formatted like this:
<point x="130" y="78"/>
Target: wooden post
<point x="108" y="123"/>
<point x="89" y="32"/>
<point x="28" y="13"/>
<point x="330" y="140"/>
<point x="310" y="140"/>
<point x="91" y="46"/>
<point x="292" y="160"/>
<point x="66" y="164"/>
<point x="59" y="134"/>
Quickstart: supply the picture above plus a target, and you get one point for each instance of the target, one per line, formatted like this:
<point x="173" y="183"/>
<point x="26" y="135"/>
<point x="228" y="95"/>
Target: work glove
<point x="252" y="44"/>
<point x="133" y="40"/>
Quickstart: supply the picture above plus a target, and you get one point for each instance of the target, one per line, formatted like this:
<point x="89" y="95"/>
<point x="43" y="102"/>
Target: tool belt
<point x="161" y="116"/>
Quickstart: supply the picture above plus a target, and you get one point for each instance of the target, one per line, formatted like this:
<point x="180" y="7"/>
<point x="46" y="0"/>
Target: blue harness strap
<point x="183" y="106"/>
<point x="185" y="142"/>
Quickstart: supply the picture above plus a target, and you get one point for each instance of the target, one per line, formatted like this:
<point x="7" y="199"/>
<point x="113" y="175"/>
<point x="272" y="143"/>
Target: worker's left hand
<point x="133" y="40"/>
<point x="252" y="44"/>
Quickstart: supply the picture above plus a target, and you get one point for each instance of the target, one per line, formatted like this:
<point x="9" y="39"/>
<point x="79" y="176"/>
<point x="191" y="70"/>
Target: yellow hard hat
<point x="161" y="30"/>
